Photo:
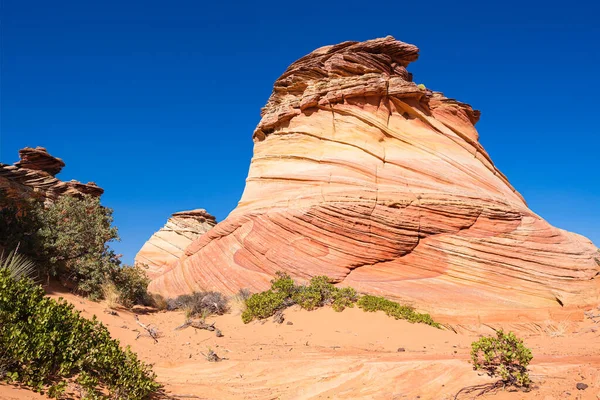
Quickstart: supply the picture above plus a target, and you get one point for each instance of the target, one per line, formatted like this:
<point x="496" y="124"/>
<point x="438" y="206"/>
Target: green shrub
<point x="283" y="284"/>
<point x="504" y="355"/>
<point x="323" y="286"/>
<point x="344" y="297"/>
<point x="307" y="298"/>
<point x="263" y="305"/>
<point x="46" y="342"/>
<point x="132" y="284"/>
<point x="396" y="310"/>
<point x="70" y="239"/>
<point x="73" y="237"/>
<point x="318" y="293"/>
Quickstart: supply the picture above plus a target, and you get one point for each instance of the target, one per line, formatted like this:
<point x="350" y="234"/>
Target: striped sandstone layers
<point x="361" y="175"/>
<point x="167" y="245"/>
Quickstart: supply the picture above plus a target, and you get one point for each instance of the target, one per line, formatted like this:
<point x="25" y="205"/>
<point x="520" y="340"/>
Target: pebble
<point x="581" y="386"/>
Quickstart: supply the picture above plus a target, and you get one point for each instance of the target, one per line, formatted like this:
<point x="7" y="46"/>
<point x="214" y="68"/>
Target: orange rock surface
<point x="361" y="175"/>
<point x="167" y="245"/>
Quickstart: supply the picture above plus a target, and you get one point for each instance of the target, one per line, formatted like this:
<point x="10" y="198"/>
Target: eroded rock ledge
<point x="35" y="173"/>
<point x="380" y="184"/>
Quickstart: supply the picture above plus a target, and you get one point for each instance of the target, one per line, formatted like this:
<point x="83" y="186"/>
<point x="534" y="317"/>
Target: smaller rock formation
<point x="168" y="244"/>
<point x="35" y="174"/>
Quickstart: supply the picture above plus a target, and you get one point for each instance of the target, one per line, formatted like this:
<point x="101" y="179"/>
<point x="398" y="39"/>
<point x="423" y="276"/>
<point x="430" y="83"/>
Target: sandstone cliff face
<point x="35" y="174"/>
<point x="361" y="175"/>
<point x="167" y="245"/>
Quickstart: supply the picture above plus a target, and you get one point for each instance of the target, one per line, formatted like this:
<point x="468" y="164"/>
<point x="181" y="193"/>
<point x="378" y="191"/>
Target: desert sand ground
<point x="349" y="355"/>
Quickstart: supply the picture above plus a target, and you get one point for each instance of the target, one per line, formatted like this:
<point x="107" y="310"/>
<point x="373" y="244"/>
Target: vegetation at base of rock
<point x="396" y="310"/>
<point x="157" y="301"/>
<point x="200" y="304"/>
<point x="46" y="344"/>
<point x="263" y="305"/>
<point x="344" y="298"/>
<point x="132" y="284"/>
<point x="69" y="240"/>
<point x="320" y="292"/>
<point x="504" y="355"/>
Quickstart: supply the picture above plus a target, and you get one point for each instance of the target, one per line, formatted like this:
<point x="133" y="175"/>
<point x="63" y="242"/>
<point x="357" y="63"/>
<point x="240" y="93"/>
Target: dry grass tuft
<point x="200" y="304"/>
<point x="238" y="301"/>
<point x="158" y="302"/>
<point x="111" y="295"/>
<point x="557" y="329"/>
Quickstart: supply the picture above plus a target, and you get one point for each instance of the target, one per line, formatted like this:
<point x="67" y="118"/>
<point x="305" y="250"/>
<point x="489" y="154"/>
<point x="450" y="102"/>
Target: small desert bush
<point x="504" y="355"/>
<point x="46" y="344"/>
<point x="126" y="287"/>
<point x="317" y="293"/>
<point x="320" y="292"/>
<point x="200" y="304"/>
<point x="157" y="301"/>
<point x="284" y="284"/>
<point x="263" y="305"/>
<point x="132" y="284"/>
<point x="344" y="297"/>
<point x="396" y="310"/>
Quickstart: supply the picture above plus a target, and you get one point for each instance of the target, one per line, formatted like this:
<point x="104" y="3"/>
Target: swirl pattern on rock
<point x="362" y="175"/>
<point x="167" y="245"/>
<point x="34" y="174"/>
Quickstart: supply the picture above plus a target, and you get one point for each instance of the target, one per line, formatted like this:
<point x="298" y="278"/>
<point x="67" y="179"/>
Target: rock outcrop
<point x="167" y="245"/>
<point x="381" y="184"/>
<point x="35" y="174"/>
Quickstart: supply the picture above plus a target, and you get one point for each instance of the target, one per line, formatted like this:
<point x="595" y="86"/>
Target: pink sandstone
<point x="361" y="175"/>
<point x="167" y="245"/>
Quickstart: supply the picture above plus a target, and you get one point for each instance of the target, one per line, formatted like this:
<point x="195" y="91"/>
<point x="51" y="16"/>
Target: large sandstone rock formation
<point x="167" y="245"/>
<point x="361" y="175"/>
<point x="35" y="174"/>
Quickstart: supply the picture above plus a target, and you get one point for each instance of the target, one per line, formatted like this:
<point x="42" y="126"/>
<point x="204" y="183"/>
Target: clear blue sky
<point x="156" y="101"/>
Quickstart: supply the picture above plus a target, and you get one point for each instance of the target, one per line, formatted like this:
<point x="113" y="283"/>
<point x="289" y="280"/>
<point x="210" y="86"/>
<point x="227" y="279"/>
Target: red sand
<point x="349" y="355"/>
